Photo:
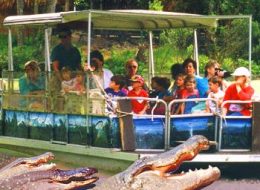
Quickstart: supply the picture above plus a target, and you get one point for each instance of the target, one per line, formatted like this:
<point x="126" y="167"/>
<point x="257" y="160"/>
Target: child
<point x="79" y="85"/>
<point x="189" y="92"/>
<point x="138" y="106"/>
<point x="153" y="93"/>
<point x="215" y="93"/>
<point x="179" y="92"/>
<point x="68" y="82"/>
<point x="161" y="86"/>
<point x="116" y="86"/>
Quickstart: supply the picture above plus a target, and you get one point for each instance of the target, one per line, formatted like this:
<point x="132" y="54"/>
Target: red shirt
<point x="245" y="94"/>
<point x="138" y="105"/>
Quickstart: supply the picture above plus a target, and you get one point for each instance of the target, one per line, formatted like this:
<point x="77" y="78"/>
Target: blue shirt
<point x="202" y="85"/>
<point x="26" y="86"/>
<point x="110" y="92"/>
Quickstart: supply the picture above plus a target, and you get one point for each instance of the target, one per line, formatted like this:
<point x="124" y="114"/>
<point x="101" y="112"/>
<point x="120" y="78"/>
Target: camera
<point x="222" y="73"/>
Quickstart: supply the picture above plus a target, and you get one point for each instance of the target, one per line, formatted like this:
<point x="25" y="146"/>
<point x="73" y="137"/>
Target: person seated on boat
<point x="131" y="69"/>
<point x="176" y="108"/>
<point x="239" y="90"/>
<point x="102" y="75"/>
<point x="189" y="92"/>
<point x="79" y="85"/>
<point x="161" y="86"/>
<point x="32" y="83"/>
<point x="65" y="54"/>
<point x="216" y="93"/>
<point x="138" y="106"/>
<point x="212" y="68"/>
<point x="115" y="89"/>
<point x="67" y="83"/>
<point x="190" y="66"/>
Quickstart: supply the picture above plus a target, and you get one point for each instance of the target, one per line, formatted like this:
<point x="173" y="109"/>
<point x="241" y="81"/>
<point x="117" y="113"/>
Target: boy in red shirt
<point x="138" y="106"/>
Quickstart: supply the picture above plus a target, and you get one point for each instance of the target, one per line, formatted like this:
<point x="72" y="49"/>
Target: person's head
<point x="162" y="83"/>
<point x="65" y="73"/>
<point x="210" y="68"/>
<point x="180" y="80"/>
<point x="154" y="83"/>
<point x="117" y="82"/>
<point x="80" y="77"/>
<point x="241" y="73"/>
<point x="97" y="58"/>
<point x="189" y="66"/>
<point x="214" y="83"/>
<point x="176" y="69"/>
<point x="31" y="69"/>
<point x="137" y="82"/>
<point x="190" y="83"/>
<point x="65" y="35"/>
<point x="131" y="67"/>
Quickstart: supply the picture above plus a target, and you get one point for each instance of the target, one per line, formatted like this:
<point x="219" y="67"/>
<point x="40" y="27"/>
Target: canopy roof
<point x="118" y="19"/>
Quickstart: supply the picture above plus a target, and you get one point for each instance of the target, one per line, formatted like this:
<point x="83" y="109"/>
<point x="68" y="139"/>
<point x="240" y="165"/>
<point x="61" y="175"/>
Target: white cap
<point x="241" y="71"/>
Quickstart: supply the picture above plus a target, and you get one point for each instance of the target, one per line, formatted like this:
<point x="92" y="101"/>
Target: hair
<point x="163" y="82"/>
<point x="80" y="72"/>
<point x="64" y="32"/>
<point x="182" y="75"/>
<point x="187" y="61"/>
<point x="65" y="70"/>
<point x="176" y="69"/>
<point x="119" y="80"/>
<point x="130" y="61"/>
<point x="97" y="54"/>
<point x="215" y="80"/>
<point x="189" y="79"/>
<point x="211" y="63"/>
<point x="32" y="64"/>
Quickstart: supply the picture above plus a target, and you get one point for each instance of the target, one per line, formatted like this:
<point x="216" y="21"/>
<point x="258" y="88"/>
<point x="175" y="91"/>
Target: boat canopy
<point x="118" y="19"/>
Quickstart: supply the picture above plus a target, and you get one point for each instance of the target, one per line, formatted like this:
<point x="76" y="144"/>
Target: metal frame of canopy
<point x="120" y="20"/>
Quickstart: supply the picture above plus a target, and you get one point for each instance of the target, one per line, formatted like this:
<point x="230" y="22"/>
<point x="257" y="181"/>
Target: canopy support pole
<point x="196" y="51"/>
<point x="89" y="37"/>
<point x="151" y="59"/>
<point x="47" y="50"/>
<point x="250" y="45"/>
<point x="10" y="51"/>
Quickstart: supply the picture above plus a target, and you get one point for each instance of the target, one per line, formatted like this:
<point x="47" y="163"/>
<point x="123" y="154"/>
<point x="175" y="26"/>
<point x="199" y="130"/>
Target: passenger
<point x="190" y="66"/>
<point x="216" y="93"/>
<point x="65" y="54"/>
<point x="212" y="68"/>
<point x="79" y="85"/>
<point x="131" y="68"/>
<point x="32" y="83"/>
<point x="153" y="93"/>
<point x="239" y="90"/>
<point x="176" y="109"/>
<point x="67" y="83"/>
<point x="138" y="106"/>
<point x="102" y="74"/>
<point x="189" y="92"/>
<point x="116" y="85"/>
<point x="176" y="69"/>
<point x="161" y="86"/>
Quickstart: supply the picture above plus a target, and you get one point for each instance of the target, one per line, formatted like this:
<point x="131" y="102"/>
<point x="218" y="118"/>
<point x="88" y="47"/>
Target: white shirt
<point x="212" y="104"/>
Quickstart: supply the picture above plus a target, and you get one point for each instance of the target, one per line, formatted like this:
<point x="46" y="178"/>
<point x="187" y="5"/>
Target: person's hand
<point x="240" y="81"/>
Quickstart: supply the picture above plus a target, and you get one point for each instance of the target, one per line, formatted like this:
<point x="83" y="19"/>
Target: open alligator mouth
<point x="162" y="168"/>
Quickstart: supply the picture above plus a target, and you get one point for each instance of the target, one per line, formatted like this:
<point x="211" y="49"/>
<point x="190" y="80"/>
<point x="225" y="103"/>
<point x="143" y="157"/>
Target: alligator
<point x="34" y="173"/>
<point x="157" y="172"/>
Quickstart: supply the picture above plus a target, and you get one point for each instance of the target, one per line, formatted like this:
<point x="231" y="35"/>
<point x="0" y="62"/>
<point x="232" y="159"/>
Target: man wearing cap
<point x="239" y="90"/>
<point x="65" y="54"/>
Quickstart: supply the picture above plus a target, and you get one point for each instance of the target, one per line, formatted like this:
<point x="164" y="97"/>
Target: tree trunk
<point x="50" y="6"/>
<point x="67" y="5"/>
<point x="19" y="10"/>
<point x="36" y="7"/>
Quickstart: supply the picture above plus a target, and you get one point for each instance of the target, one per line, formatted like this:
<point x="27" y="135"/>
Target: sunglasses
<point x="132" y="66"/>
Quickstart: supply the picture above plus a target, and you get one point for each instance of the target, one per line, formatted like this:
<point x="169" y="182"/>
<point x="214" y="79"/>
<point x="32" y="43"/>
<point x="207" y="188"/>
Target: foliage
<point x="155" y="5"/>
<point x="81" y="4"/>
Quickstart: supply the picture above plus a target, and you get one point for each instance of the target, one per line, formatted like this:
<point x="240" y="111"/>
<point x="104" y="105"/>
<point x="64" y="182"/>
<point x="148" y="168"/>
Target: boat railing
<point x="239" y="126"/>
<point x="181" y="126"/>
